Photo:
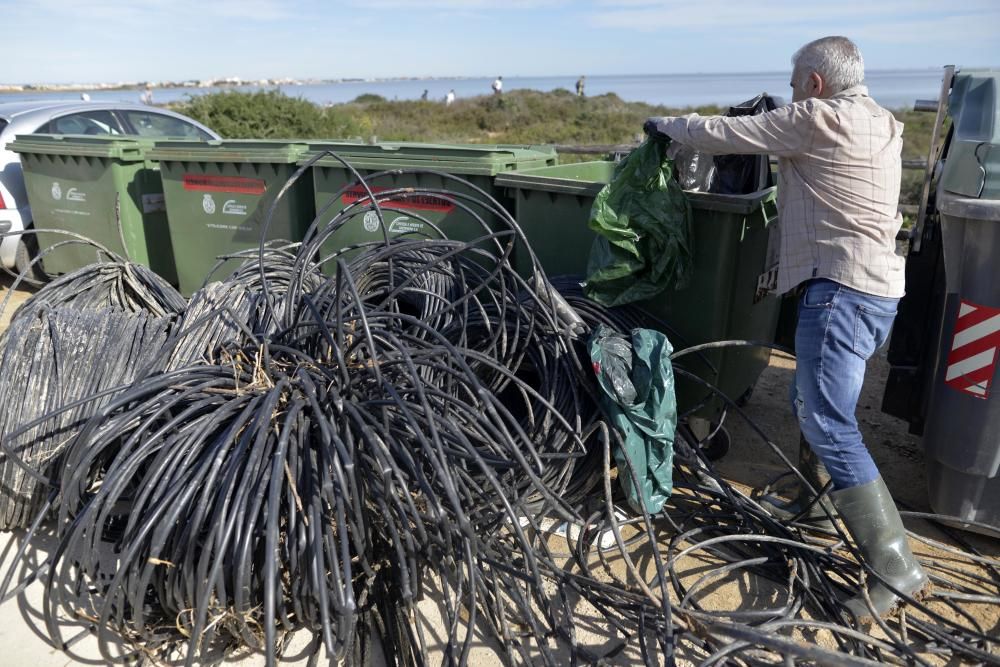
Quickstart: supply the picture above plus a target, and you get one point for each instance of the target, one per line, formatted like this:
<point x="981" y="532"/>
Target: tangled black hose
<point x="329" y="438"/>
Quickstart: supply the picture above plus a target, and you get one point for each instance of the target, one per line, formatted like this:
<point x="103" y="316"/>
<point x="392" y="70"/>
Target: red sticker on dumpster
<point x="414" y="202"/>
<point x="972" y="360"/>
<point x="237" y="184"/>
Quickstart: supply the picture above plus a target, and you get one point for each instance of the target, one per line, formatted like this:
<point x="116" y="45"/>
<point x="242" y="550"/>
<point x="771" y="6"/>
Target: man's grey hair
<point x="836" y="59"/>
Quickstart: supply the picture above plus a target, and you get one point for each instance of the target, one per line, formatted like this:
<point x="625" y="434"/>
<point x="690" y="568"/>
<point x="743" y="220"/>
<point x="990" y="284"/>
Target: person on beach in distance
<point x="498" y="86"/>
<point x="449" y="99"/>
<point x="423" y="98"/>
<point x="579" y="86"/>
<point x="839" y="171"/>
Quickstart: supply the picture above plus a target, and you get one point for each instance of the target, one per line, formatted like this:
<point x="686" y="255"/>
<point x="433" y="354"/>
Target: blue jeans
<point x="839" y="329"/>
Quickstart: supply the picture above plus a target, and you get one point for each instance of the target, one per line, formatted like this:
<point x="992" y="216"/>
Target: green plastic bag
<point x="637" y="394"/>
<point x="643" y="222"/>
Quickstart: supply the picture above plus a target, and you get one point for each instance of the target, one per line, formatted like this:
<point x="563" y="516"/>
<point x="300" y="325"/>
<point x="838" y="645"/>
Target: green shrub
<point x="271" y="114"/>
<point x="911" y="187"/>
<point x="519" y="117"/>
<point x="368" y="98"/>
<point x="266" y="114"/>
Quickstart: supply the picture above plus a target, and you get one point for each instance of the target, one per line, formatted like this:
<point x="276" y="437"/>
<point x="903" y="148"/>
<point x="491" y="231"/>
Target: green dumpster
<point x="87" y="185"/>
<point x="730" y="245"/>
<point x="416" y="216"/>
<point x="218" y="194"/>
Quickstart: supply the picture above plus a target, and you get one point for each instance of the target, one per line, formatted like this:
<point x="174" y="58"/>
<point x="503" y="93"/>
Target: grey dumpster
<point x="962" y="435"/>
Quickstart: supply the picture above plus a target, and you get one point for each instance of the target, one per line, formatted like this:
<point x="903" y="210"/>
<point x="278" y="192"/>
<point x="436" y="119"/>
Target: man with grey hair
<point x="839" y="171"/>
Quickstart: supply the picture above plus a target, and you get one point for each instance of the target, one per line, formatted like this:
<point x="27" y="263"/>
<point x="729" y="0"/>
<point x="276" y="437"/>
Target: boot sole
<point x="920" y="595"/>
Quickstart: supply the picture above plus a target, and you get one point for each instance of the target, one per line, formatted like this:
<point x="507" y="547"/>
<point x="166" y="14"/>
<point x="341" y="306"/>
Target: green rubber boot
<point x="873" y="522"/>
<point x="815" y="472"/>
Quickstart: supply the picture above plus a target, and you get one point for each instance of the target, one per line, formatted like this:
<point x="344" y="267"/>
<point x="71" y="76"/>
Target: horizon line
<point x="353" y="79"/>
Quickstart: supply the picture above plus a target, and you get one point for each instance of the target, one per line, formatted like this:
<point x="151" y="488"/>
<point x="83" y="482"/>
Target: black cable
<point x="326" y="437"/>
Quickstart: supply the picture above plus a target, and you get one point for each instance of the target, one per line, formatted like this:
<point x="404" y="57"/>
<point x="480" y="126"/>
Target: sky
<point x="82" y="41"/>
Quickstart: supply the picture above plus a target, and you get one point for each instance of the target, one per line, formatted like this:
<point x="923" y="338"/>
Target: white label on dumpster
<point x="76" y="195"/>
<point x="70" y="211"/>
<point x="56" y="191"/>
<point x="208" y="204"/>
<point x="232" y="207"/>
<point x="153" y="202"/>
<point x="404" y="224"/>
<point x="370" y="221"/>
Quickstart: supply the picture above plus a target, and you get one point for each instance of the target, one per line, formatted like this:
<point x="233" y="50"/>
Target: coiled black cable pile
<point x="328" y="438"/>
<point x="123" y="285"/>
<point x="59" y="366"/>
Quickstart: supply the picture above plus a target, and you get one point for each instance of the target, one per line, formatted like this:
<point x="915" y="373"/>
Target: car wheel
<point x="33" y="274"/>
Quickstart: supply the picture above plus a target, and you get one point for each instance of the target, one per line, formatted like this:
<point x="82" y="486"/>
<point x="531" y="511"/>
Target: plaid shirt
<point x="839" y="172"/>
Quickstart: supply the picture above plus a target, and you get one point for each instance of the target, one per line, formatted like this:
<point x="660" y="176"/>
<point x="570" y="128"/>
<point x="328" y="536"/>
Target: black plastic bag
<point x="743" y="174"/>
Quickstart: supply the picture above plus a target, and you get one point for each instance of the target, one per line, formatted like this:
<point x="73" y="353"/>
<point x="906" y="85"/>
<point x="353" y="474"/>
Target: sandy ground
<point x="898" y="454"/>
<point x="750" y="464"/>
<point x="12" y="298"/>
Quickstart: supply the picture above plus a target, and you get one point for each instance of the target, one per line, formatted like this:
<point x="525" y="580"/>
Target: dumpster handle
<point x="769" y="208"/>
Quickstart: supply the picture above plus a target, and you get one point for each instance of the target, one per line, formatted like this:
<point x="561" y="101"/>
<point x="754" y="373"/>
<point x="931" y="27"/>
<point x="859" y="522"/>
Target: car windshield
<point x="150" y="124"/>
<point x="90" y="122"/>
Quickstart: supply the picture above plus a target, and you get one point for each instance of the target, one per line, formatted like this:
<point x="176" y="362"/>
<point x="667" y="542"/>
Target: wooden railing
<point x="610" y="149"/>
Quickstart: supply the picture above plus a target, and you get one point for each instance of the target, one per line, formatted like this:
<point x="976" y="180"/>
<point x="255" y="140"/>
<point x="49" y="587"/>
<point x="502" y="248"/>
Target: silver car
<point x="68" y="117"/>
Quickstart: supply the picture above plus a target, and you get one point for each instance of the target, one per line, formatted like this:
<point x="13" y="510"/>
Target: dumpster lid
<point x="972" y="163"/>
<point x="587" y="179"/>
<point x="488" y="159"/>
<point x="973" y="105"/>
<point x="745" y="204"/>
<point x="428" y="151"/>
<point x="229" y="150"/>
<point x="582" y="178"/>
<point x="968" y="207"/>
<point x="455" y="168"/>
<point x="128" y="148"/>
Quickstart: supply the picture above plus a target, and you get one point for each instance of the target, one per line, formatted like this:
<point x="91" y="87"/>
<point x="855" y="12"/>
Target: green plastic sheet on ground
<point x="637" y="395"/>
<point x="643" y="221"/>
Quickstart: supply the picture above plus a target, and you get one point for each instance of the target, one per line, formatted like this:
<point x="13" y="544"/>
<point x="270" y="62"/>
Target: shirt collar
<point x="853" y="91"/>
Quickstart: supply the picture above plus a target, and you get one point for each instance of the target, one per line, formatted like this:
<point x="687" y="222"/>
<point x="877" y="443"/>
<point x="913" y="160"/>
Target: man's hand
<point x="652" y="128"/>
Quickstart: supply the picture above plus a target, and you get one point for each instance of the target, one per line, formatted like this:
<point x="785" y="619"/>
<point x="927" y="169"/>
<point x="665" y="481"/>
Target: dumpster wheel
<point x="715" y="442"/>
<point x="718" y="445"/>
<point x="745" y="397"/>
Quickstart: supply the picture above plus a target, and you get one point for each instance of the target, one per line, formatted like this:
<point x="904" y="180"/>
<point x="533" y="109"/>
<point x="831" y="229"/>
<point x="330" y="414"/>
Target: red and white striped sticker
<point x="973" y="357"/>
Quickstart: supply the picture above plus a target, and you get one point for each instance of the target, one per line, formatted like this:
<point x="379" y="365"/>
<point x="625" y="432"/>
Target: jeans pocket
<point x="871" y="329"/>
<point x="820" y="294"/>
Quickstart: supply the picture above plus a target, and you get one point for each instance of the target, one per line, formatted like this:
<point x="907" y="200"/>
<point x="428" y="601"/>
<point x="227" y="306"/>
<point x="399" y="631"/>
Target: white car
<point x="68" y="117"/>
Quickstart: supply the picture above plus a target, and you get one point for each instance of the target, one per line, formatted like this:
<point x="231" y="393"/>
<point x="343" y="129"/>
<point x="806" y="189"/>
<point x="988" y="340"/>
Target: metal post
<point x="932" y="156"/>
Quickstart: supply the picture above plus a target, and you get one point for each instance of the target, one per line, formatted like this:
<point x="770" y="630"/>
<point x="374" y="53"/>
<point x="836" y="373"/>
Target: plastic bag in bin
<point x="744" y="174"/>
<point x="643" y="223"/>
